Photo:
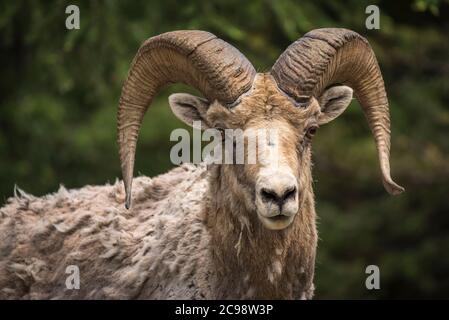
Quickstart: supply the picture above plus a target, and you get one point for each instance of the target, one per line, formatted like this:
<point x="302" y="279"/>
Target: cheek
<point x="306" y="155"/>
<point x="304" y="168"/>
<point x="295" y="159"/>
<point x="292" y="154"/>
<point x="241" y="179"/>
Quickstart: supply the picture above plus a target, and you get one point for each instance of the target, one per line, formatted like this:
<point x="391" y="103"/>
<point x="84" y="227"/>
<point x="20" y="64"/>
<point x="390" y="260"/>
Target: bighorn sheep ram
<point x="202" y="231"/>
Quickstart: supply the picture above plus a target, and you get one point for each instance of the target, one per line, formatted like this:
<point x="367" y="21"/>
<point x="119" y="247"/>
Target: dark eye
<point x="311" y="131"/>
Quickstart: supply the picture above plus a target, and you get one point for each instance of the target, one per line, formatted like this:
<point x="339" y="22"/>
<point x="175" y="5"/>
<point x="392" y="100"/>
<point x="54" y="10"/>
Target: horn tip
<point x="393" y="188"/>
<point x="128" y="201"/>
<point x="128" y="194"/>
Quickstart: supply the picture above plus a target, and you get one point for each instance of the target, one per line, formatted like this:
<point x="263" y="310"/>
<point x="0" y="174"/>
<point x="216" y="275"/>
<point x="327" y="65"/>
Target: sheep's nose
<point x="271" y="195"/>
<point x="278" y="189"/>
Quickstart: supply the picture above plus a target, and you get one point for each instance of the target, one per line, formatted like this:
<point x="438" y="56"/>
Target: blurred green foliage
<point x="59" y="93"/>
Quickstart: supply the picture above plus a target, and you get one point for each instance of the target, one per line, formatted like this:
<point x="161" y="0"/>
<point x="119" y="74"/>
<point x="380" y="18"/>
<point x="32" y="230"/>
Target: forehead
<point x="266" y="103"/>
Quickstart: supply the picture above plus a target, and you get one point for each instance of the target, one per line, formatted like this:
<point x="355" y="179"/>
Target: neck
<point x="252" y="261"/>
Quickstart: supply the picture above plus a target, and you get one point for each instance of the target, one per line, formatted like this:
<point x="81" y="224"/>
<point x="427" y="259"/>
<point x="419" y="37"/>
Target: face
<point x="275" y="176"/>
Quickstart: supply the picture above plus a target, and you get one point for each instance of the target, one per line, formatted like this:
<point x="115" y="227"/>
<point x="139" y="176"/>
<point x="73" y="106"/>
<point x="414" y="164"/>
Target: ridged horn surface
<point x="197" y="58"/>
<point x="330" y="56"/>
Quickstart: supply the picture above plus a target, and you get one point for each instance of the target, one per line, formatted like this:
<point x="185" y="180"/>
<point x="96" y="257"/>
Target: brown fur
<point x="192" y="233"/>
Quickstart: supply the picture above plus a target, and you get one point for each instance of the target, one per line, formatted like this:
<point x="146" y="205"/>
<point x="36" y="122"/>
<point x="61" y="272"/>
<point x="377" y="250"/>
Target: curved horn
<point x="197" y="58"/>
<point x="324" y="57"/>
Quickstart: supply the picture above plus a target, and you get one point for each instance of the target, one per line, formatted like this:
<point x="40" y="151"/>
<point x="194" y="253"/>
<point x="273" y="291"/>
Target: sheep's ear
<point x="333" y="102"/>
<point x="189" y="108"/>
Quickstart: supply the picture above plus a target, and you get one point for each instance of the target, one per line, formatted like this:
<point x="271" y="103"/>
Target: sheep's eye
<point x="311" y="131"/>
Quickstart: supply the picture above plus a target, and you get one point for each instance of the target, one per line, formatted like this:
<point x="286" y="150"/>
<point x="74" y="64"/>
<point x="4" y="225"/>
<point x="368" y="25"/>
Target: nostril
<point x="269" y="195"/>
<point x="289" y="193"/>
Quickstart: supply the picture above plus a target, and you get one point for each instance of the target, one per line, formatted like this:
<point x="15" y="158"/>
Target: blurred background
<point x="60" y="88"/>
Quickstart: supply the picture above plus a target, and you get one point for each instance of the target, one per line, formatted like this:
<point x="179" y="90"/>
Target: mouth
<point x="277" y="222"/>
